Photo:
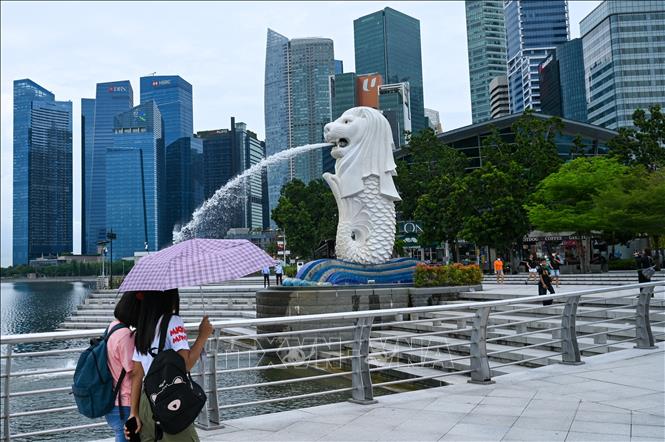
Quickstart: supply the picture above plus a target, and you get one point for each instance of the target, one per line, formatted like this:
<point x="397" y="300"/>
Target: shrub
<point x="622" y="264"/>
<point x="290" y="271"/>
<point x="448" y="275"/>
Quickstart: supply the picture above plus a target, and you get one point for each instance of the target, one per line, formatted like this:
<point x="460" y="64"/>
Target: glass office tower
<point x="624" y="60"/>
<point x="42" y="199"/>
<point x="562" y="91"/>
<point x="486" y="45"/>
<point x="135" y="180"/>
<point x="388" y="42"/>
<point x="533" y="30"/>
<point x="111" y="99"/>
<point x="227" y="153"/>
<point x="184" y="154"/>
<point x="297" y="105"/>
<point x="87" y="126"/>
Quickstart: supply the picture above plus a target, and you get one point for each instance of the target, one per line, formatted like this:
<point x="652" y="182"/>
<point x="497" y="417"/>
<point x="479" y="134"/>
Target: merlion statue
<point x="363" y="185"/>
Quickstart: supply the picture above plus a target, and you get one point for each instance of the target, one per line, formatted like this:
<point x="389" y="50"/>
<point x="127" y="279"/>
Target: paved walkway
<point x="616" y="396"/>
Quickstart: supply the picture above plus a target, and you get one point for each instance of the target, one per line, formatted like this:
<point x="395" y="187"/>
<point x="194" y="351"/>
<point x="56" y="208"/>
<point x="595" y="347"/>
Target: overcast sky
<point x="219" y="47"/>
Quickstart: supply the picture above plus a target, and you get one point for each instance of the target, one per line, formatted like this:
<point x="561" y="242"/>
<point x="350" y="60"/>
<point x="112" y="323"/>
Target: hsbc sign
<point x="157" y="83"/>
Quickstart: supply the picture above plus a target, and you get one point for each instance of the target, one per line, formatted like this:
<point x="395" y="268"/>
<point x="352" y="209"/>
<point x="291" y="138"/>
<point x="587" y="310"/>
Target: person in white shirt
<point x="154" y="305"/>
<point x="278" y="272"/>
<point x="266" y="276"/>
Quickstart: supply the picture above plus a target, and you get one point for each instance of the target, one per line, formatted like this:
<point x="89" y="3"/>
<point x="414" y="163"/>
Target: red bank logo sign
<point x="117" y="89"/>
<point x="367" y="90"/>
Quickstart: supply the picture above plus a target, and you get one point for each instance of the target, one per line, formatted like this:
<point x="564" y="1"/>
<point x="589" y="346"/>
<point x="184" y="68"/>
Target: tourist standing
<point x="120" y="348"/>
<point x="266" y="276"/>
<point x="532" y="267"/>
<point x="278" y="273"/>
<point x="154" y="307"/>
<point x="644" y="262"/>
<point x="498" y="269"/>
<point x="545" y="281"/>
<point x="556" y="268"/>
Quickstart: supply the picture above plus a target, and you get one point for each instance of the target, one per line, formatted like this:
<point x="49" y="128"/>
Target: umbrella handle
<point x="202" y="301"/>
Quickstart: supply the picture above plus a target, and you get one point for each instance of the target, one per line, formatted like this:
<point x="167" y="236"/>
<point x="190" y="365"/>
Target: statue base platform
<point x="338" y="272"/>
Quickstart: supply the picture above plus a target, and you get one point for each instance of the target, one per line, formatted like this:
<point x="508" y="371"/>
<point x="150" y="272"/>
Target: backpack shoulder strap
<point x="108" y="333"/>
<point x="163" y="330"/>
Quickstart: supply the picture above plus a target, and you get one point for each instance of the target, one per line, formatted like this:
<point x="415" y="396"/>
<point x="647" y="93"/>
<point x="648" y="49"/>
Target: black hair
<point x="127" y="309"/>
<point x="154" y="305"/>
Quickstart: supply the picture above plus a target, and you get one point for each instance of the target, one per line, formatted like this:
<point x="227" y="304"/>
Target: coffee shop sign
<point x="554" y="238"/>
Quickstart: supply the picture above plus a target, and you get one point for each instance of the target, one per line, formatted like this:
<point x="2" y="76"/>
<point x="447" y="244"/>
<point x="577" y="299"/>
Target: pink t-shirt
<point x="120" y="348"/>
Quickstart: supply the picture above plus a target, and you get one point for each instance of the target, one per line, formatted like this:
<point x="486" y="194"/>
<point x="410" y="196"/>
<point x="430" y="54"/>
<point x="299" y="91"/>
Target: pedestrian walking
<point x="266" y="276"/>
<point x="498" y="269"/>
<point x="156" y="306"/>
<point x="278" y="273"/>
<point x="545" y="281"/>
<point x="556" y="268"/>
<point x="532" y="267"/>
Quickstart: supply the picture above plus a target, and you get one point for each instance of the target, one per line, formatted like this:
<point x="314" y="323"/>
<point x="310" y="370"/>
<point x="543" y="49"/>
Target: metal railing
<point x="350" y="355"/>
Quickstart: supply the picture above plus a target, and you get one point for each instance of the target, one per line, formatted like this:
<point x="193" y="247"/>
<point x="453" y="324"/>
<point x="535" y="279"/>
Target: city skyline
<point x="227" y="78"/>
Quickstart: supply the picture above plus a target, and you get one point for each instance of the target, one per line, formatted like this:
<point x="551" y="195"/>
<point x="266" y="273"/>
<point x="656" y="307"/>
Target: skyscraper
<point x="499" y="102"/>
<point x="533" y="29"/>
<point x="42" y="214"/>
<point x="184" y="154"/>
<point x="297" y="105"/>
<point x="486" y="43"/>
<point x="227" y="153"/>
<point x="135" y="180"/>
<point x="624" y="59"/>
<point x="87" y="126"/>
<point x="111" y="99"/>
<point x="388" y="42"/>
<point x="562" y="91"/>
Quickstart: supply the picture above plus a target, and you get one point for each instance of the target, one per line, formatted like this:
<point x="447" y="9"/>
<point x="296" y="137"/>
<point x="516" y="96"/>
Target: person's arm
<point x="137" y="378"/>
<point x="192" y="355"/>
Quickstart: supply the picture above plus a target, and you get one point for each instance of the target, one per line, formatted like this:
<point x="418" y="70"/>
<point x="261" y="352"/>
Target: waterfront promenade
<point x="618" y="396"/>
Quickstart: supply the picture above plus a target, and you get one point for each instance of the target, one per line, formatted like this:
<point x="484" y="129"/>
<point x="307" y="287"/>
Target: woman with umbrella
<point x="154" y="307"/>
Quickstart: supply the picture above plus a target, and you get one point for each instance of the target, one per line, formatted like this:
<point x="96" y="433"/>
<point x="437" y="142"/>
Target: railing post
<point x="642" y="321"/>
<point x="8" y="370"/>
<point x="570" y="349"/>
<point x="480" y="366"/>
<point x="209" y="417"/>
<point x="361" y="381"/>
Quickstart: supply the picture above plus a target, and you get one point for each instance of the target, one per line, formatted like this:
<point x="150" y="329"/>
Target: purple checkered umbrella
<point x="195" y="262"/>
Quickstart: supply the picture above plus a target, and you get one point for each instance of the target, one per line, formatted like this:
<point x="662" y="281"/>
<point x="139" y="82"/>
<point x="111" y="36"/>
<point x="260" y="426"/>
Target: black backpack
<point x="175" y="399"/>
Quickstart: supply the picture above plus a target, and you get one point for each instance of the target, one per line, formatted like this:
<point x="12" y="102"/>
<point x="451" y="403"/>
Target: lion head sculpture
<point x="363" y="147"/>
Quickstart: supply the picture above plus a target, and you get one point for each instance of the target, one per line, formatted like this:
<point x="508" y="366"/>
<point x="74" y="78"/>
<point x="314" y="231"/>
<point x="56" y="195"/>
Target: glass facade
<point x="486" y="43"/>
<point x="87" y="126"/>
<point x="388" y="42"/>
<point x="297" y="105"/>
<point x="562" y="90"/>
<point x="469" y="139"/>
<point x="135" y="180"/>
<point x="110" y="100"/>
<point x="342" y="98"/>
<point x="42" y="138"/>
<point x="228" y="153"/>
<point x="533" y="30"/>
<point x="396" y="107"/>
<point x="624" y="60"/>
<point x="184" y="154"/>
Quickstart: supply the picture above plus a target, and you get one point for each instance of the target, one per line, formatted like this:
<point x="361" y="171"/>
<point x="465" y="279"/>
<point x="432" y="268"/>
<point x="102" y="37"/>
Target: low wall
<point x="295" y="301"/>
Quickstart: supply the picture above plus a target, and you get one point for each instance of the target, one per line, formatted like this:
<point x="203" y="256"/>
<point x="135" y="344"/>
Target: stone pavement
<point x="615" y="396"/>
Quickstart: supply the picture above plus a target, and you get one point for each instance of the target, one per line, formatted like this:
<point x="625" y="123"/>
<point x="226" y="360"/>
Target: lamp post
<point x="111" y="236"/>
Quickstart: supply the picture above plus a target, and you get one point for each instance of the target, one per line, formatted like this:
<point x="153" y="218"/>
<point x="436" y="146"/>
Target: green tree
<point x="307" y="214"/>
<point x="439" y="211"/>
<point x="494" y="213"/>
<point x="533" y="153"/>
<point x="567" y="200"/>
<point x="426" y="158"/>
<point x="645" y="143"/>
